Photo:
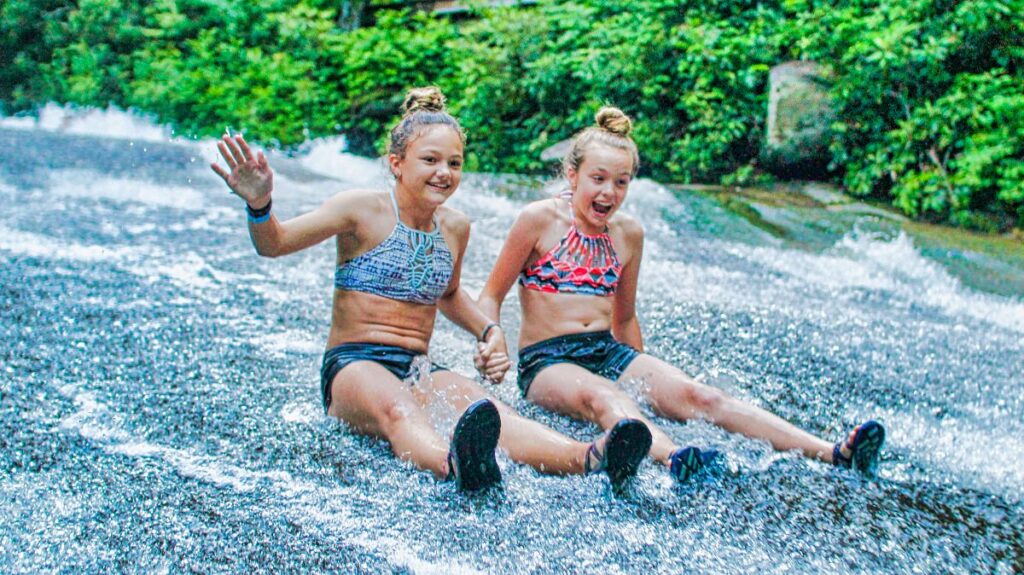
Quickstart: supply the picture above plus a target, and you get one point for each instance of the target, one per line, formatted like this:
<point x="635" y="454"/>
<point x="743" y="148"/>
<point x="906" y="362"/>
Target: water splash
<point x="893" y="266"/>
<point x="110" y="123"/>
<point x="161" y="410"/>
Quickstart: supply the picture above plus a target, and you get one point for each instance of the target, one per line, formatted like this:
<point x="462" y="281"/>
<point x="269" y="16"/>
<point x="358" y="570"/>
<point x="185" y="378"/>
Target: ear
<point x="393" y="162"/>
<point x="572" y="175"/>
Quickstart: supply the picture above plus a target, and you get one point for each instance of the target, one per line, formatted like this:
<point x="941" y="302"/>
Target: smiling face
<point x="599" y="185"/>
<point x="432" y="166"/>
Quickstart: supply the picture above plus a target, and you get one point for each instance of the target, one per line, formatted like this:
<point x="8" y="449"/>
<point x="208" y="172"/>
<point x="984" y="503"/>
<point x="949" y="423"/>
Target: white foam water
<point x="89" y="184"/>
<point x="895" y="266"/>
<point x="112" y="122"/>
<point x="345" y="494"/>
<point x="303" y="501"/>
<point x="327" y="158"/>
<point x="978" y="458"/>
<point x="36" y="245"/>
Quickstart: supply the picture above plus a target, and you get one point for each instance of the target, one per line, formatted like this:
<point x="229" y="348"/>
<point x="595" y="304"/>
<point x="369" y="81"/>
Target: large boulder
<point x="800" y="114"/>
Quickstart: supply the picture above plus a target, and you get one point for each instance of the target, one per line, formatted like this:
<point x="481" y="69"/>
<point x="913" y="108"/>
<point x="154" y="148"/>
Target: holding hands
<point x="491" y="357"/>
<point x="251" y="177"/>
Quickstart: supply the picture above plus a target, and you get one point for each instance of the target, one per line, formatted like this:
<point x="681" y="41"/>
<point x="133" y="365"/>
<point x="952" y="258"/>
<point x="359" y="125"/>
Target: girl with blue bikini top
<point x="399" y="256"/>
<point x="577" y="262"/>
<point x="410" y="265"/>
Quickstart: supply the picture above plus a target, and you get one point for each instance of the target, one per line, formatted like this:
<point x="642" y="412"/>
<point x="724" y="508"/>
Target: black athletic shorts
<point x="596" y="351"/>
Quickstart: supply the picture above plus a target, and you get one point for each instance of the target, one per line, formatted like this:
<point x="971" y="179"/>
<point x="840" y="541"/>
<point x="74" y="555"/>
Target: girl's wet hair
<point x="612" y="129"/>
<point x="422" y="107"/>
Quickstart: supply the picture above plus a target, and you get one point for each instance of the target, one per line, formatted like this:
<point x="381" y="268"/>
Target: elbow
<point x="267" y="251"/>
<point x="624" y="323"/>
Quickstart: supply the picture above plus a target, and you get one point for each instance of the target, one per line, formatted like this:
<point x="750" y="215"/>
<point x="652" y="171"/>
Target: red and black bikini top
<point x="579" y="264"/>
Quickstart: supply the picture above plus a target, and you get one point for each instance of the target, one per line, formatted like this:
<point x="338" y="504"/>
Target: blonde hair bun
<point x="428" y="99"/>
<point x="614" y="120"/>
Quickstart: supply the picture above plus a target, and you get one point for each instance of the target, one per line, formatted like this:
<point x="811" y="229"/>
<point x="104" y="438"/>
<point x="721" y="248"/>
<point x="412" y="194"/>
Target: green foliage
<point x="89" y="69"/>
<point x="691" y="74"/>
<point x="928" y="93"/>
<point x="29" y="30"/>
<point x="930" y="102"/>
<point x="251" y="67"/>
<point x="373" y="67"/>
<point x="512" y="93"/>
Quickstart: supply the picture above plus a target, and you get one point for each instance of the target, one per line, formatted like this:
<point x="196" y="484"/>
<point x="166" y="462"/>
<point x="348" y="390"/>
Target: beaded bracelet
<point x="487" y="330"/>
<point x="259" y="216"/>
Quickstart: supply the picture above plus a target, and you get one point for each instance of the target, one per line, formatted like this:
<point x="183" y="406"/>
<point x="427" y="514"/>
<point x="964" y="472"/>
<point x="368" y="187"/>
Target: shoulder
<point x="541" y="212"/>
<point x="453" y="221"/>
<point x="628" y="227"/>
<point x="360" y="201"/>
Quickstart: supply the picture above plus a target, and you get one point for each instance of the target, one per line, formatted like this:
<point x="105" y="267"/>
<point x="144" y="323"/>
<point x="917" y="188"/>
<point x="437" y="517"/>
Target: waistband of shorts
<point x="582" y="337"/>
<point x="365" y="345"/>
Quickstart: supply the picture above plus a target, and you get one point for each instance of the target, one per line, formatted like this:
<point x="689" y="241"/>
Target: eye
<point x="429" y="159"/>
<point x="598" y="179"/>
<point x="624" y="182"/>
<point x="457" y="164"/>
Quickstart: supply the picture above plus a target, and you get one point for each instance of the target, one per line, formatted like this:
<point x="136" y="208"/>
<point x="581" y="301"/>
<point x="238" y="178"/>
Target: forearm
<point x="490" y="306"/>
<point x="272" y="237"/>
<point x="628" y="332"/>
<point x="265" y="236"/>
<point x="460" y="308"/>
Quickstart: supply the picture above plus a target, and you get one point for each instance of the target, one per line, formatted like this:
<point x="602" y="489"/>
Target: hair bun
<point x="614" y="120"/>
<point x="428" y="99"/>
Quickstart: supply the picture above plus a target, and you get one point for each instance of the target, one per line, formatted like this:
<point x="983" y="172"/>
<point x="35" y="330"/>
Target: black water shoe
<point x="471" y="461"/>
<point x="627" y="443"/>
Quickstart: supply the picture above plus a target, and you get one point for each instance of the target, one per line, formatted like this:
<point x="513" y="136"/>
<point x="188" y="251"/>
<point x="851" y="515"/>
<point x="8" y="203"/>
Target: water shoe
<point x="865" y="447"/>
<point x="626" y="445"/>
<point x="689" y="461"/>
<point x="471" y="461"/>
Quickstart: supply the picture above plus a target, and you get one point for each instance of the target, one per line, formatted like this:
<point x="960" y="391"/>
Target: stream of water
<point x="160" y="411"/>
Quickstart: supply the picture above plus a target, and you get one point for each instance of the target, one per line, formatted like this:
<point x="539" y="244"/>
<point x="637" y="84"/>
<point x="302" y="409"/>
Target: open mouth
<point x="439" y="186"/>
<point x="602" y="209"/>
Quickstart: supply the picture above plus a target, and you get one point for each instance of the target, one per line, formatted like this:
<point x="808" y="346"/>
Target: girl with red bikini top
<point x="577" y="260"/>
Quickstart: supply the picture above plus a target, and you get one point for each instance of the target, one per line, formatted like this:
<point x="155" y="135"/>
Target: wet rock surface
<point x="160" y="411"/>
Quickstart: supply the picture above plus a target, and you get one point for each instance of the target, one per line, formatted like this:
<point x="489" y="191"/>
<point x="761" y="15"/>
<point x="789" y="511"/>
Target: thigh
<point x="666" y="385"/>
<point x="458" y="391"/>
<point x="569" y="389"/>
<point x="368" y="397"/>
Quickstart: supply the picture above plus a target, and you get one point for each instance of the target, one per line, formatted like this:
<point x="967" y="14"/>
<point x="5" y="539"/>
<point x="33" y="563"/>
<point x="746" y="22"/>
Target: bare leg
<point x="675" y="395"/>
<point x="525" y="440"/>
<point x="574" y="391"/>
<point x="375" y="402"/>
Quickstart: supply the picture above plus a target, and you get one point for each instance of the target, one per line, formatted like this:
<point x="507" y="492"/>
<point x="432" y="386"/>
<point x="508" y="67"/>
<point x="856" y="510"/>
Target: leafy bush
<point x="929" y="93"/>
<point x="29" y="29"/>
<point x="930" y="102"/>
<point x="372" y="68"/>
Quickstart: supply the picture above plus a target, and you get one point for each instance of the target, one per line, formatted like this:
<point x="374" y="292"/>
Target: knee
<point x="703" y="399"/>
<point x="392" y="415"/>
<point x="600" y="399"/>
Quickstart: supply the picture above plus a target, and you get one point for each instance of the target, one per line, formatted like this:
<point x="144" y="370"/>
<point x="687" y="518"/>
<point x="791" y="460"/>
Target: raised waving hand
<point x="251" y="177"/>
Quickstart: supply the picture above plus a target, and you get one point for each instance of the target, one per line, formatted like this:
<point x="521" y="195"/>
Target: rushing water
<point x="159" y="407"/>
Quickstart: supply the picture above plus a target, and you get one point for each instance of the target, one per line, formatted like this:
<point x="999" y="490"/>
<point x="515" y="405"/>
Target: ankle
<point x="446" y="472"/>
<point x="592" y="458"/>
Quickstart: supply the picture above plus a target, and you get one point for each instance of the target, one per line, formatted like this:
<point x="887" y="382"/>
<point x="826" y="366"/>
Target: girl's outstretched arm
<point x="252" y="180"/>
<point x="522" y="239"/>
<point x="625" y="325"/>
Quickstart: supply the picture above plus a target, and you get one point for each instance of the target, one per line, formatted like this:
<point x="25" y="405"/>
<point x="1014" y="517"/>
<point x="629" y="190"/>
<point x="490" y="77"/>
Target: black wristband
<point x="487" y="330"/>
<point x="259" y="214"/>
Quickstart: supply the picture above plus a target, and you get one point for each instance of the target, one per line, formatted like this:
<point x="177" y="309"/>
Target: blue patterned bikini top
<point x="409" y="265"/>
